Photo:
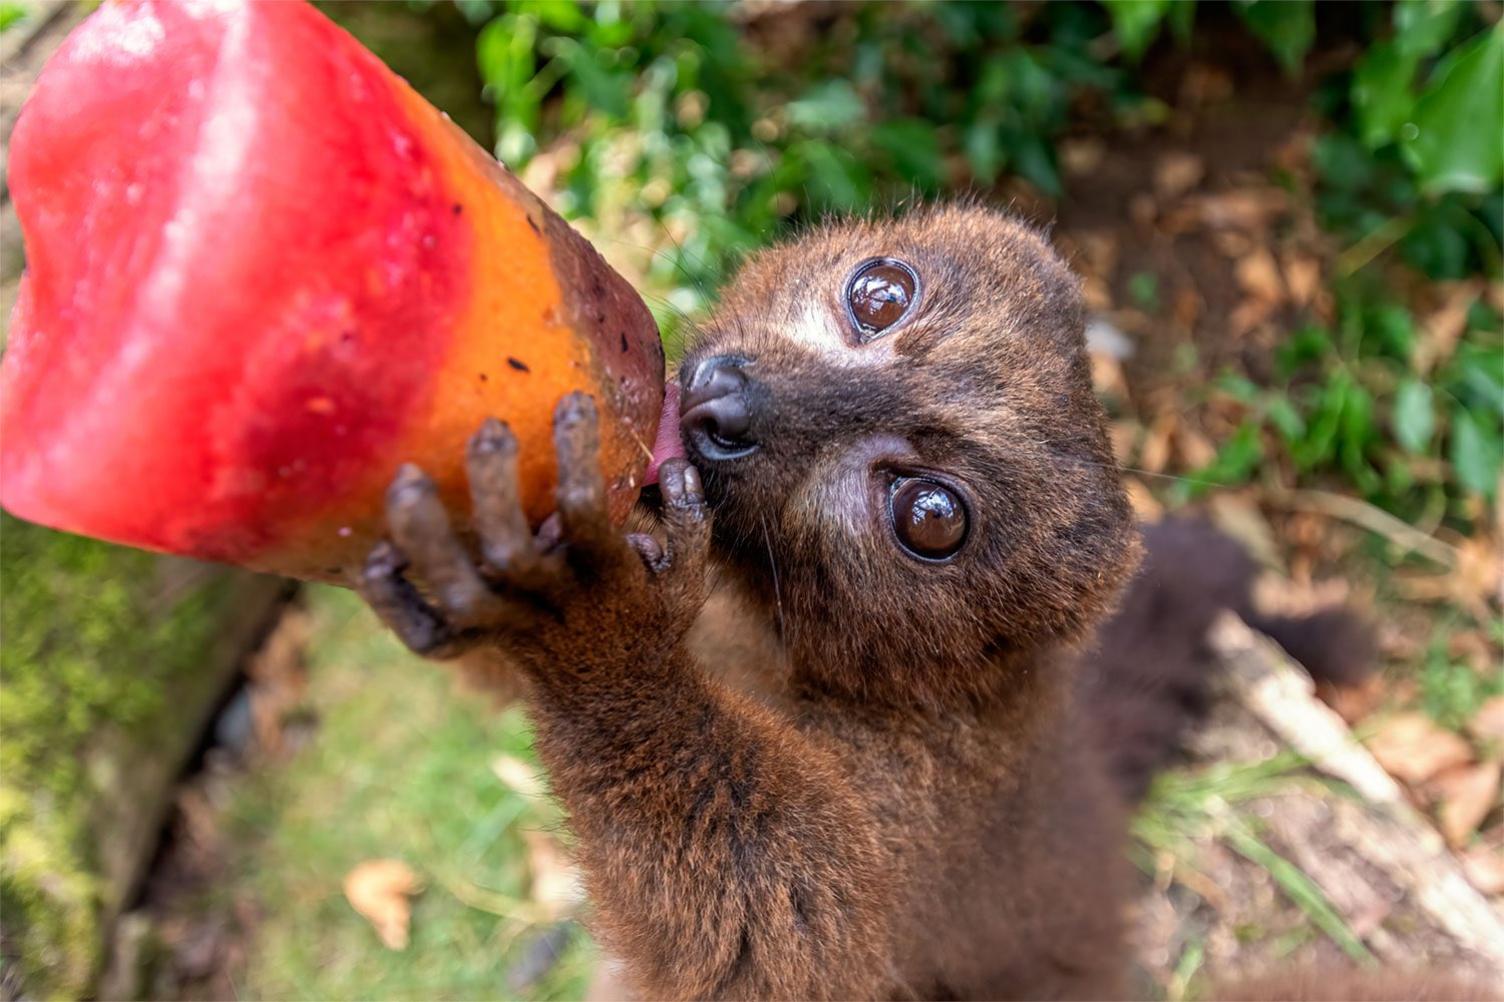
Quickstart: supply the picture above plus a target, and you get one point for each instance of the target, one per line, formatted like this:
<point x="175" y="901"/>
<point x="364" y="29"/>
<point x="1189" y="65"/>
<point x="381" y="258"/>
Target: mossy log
<point x="112" y="662"/>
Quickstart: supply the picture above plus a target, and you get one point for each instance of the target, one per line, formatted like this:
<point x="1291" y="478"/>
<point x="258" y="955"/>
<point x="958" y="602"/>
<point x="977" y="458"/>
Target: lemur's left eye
<point x="879" y="293"/>
<point x="928" y="517"/>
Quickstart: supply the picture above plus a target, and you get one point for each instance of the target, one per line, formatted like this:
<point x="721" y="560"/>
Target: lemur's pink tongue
<point x="668" y="444"/>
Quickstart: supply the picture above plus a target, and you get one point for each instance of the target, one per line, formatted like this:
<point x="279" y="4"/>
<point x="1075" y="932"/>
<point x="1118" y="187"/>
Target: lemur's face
<point x="894" y="421"/>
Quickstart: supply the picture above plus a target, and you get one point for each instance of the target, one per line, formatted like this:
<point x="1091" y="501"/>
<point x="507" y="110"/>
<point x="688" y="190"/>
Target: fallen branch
<point x="1400" y="841"/>
<point x="1366" y="516"/>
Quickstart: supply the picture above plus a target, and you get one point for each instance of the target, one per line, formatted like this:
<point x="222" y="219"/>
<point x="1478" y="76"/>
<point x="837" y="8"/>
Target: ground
<point x="382" y="759"/>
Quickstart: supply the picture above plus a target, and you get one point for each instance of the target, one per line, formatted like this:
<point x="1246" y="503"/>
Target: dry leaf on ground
<point x="380" y="889"/>
<point x="1442" y="329"/>
<point x="1146" y="506"/>
<point x="1303" y="275"/>
<point x="1258" y="275"/>
<point x="279" y="677"/>
<point x="1354" y="702"/>
<point x="1176" y="173"/>
<point x="1484" y="866"/>
<point x="1411" y="747"/>
<point x="1467" y="794"/>
<point x="1194" y="449"/>
<point x="556" y="885"/>
<point x="1154" y="453"/>
<point x="1479" y="577"/>
<point x="1488" y="723"/>
<point x="1080" y="157"/>
<point x="1187" y="307"/>
<point x="1242" y="208"/>
<point x="519" y="775"/>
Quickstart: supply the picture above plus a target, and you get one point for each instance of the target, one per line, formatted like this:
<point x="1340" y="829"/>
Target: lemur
<point x="829" y="725"/>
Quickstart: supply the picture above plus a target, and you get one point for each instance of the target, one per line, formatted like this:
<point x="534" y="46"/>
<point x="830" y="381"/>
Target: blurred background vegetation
<point x="1288" y="218"/>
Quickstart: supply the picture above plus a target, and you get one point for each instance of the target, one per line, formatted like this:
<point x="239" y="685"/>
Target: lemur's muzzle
<point x="716" y="409"/>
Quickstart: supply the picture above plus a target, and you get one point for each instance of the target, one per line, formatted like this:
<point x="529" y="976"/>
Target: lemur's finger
<point x="582" y="489"/>
<point x="400" y="607"/>
<point x="685" y="516"/>
<point x="512" y="557"/>
<point x="649" y="550"/>
<point x="420" y="527"/>
<point x="686" y="525"/>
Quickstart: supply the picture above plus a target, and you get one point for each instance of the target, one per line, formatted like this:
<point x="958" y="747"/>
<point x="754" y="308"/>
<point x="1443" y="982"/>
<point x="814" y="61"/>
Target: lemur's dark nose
<point x="714" y="410"/>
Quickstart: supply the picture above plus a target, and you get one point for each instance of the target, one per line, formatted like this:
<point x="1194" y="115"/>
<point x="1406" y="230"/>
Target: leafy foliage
<point x="888" y="102"/>
<point x="1416" y="157"/>
<point x="1451" y="691"/>
<point x="1351" y="400"/>
<point x="12" y="12"/>
<point x="728" y="134"/>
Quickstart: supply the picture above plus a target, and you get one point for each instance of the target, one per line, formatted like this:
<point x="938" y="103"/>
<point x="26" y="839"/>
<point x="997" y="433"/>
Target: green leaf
<point x="1288" y="27"/>
<point x="1392" y="328"/>
<point x="12" y="12"/>
<point x="992" y="86"/>
<point x="1319" y="446"/>
<point x="1182" y="18"/>
<point x="1237" y="458"/>
<point x="1475" y="453"/>
<point x="1381" y="92"/>
<point x="1455" y="143"/>
<point x="1342" y="162"/>
<point x="1481" y="378"/>
<point x="983" y="150"/>
<point x="1143" y="289"/>
<point x="1136" y="23"/>
<point x="1414" y="415"/>
<point x="504" y="54"/>
<point x="1356" y="430"/>
<point x="1422" y="27"/>
<point x="561" y="15"/>
<point x="836" y="179"/>
<point x="1302" y="347"/>
<point x="606" y="90"/>
<point x="1436" y="243"/>
<point x="915" y="151"/>
<point x="1234" y="384"/>
<point x="831" y="105"/>
<point x="1285" y="418"/>
<point x="1034" y="161"/>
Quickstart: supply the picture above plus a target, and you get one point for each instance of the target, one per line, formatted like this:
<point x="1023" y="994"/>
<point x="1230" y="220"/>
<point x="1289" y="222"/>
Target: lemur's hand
<point x="578" y="597"/>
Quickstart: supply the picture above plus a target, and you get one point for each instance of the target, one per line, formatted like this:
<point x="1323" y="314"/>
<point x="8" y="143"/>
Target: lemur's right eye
<point x="928" y="517"/>
<point x="879" y="294"/>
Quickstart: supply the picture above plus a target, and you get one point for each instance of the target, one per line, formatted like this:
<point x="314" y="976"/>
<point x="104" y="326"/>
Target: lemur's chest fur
<point x="739" y="647"/>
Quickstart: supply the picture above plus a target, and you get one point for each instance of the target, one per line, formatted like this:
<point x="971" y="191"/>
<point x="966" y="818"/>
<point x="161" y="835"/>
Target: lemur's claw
<point x="532" y="590"/>
<point x="581" y="494"/>
<point x="399" y="605"/>
<point x="686" y="521"/>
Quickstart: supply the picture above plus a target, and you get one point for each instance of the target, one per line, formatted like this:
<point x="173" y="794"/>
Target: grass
<point x="401" y="767"/>
<point x="1452" y="691"/>
<point x="1190" y="806"/>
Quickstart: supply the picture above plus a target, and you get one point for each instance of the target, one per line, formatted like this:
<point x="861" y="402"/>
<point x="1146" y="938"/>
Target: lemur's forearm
<point x="725" y="853"/>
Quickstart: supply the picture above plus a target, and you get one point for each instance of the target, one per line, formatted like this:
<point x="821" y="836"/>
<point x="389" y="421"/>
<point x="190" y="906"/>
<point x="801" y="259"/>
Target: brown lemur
<point x="862" y="768"/>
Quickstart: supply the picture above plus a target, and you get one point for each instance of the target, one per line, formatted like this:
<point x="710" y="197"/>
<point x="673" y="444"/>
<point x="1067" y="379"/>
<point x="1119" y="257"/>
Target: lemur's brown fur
<point x="853" y="773"/>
